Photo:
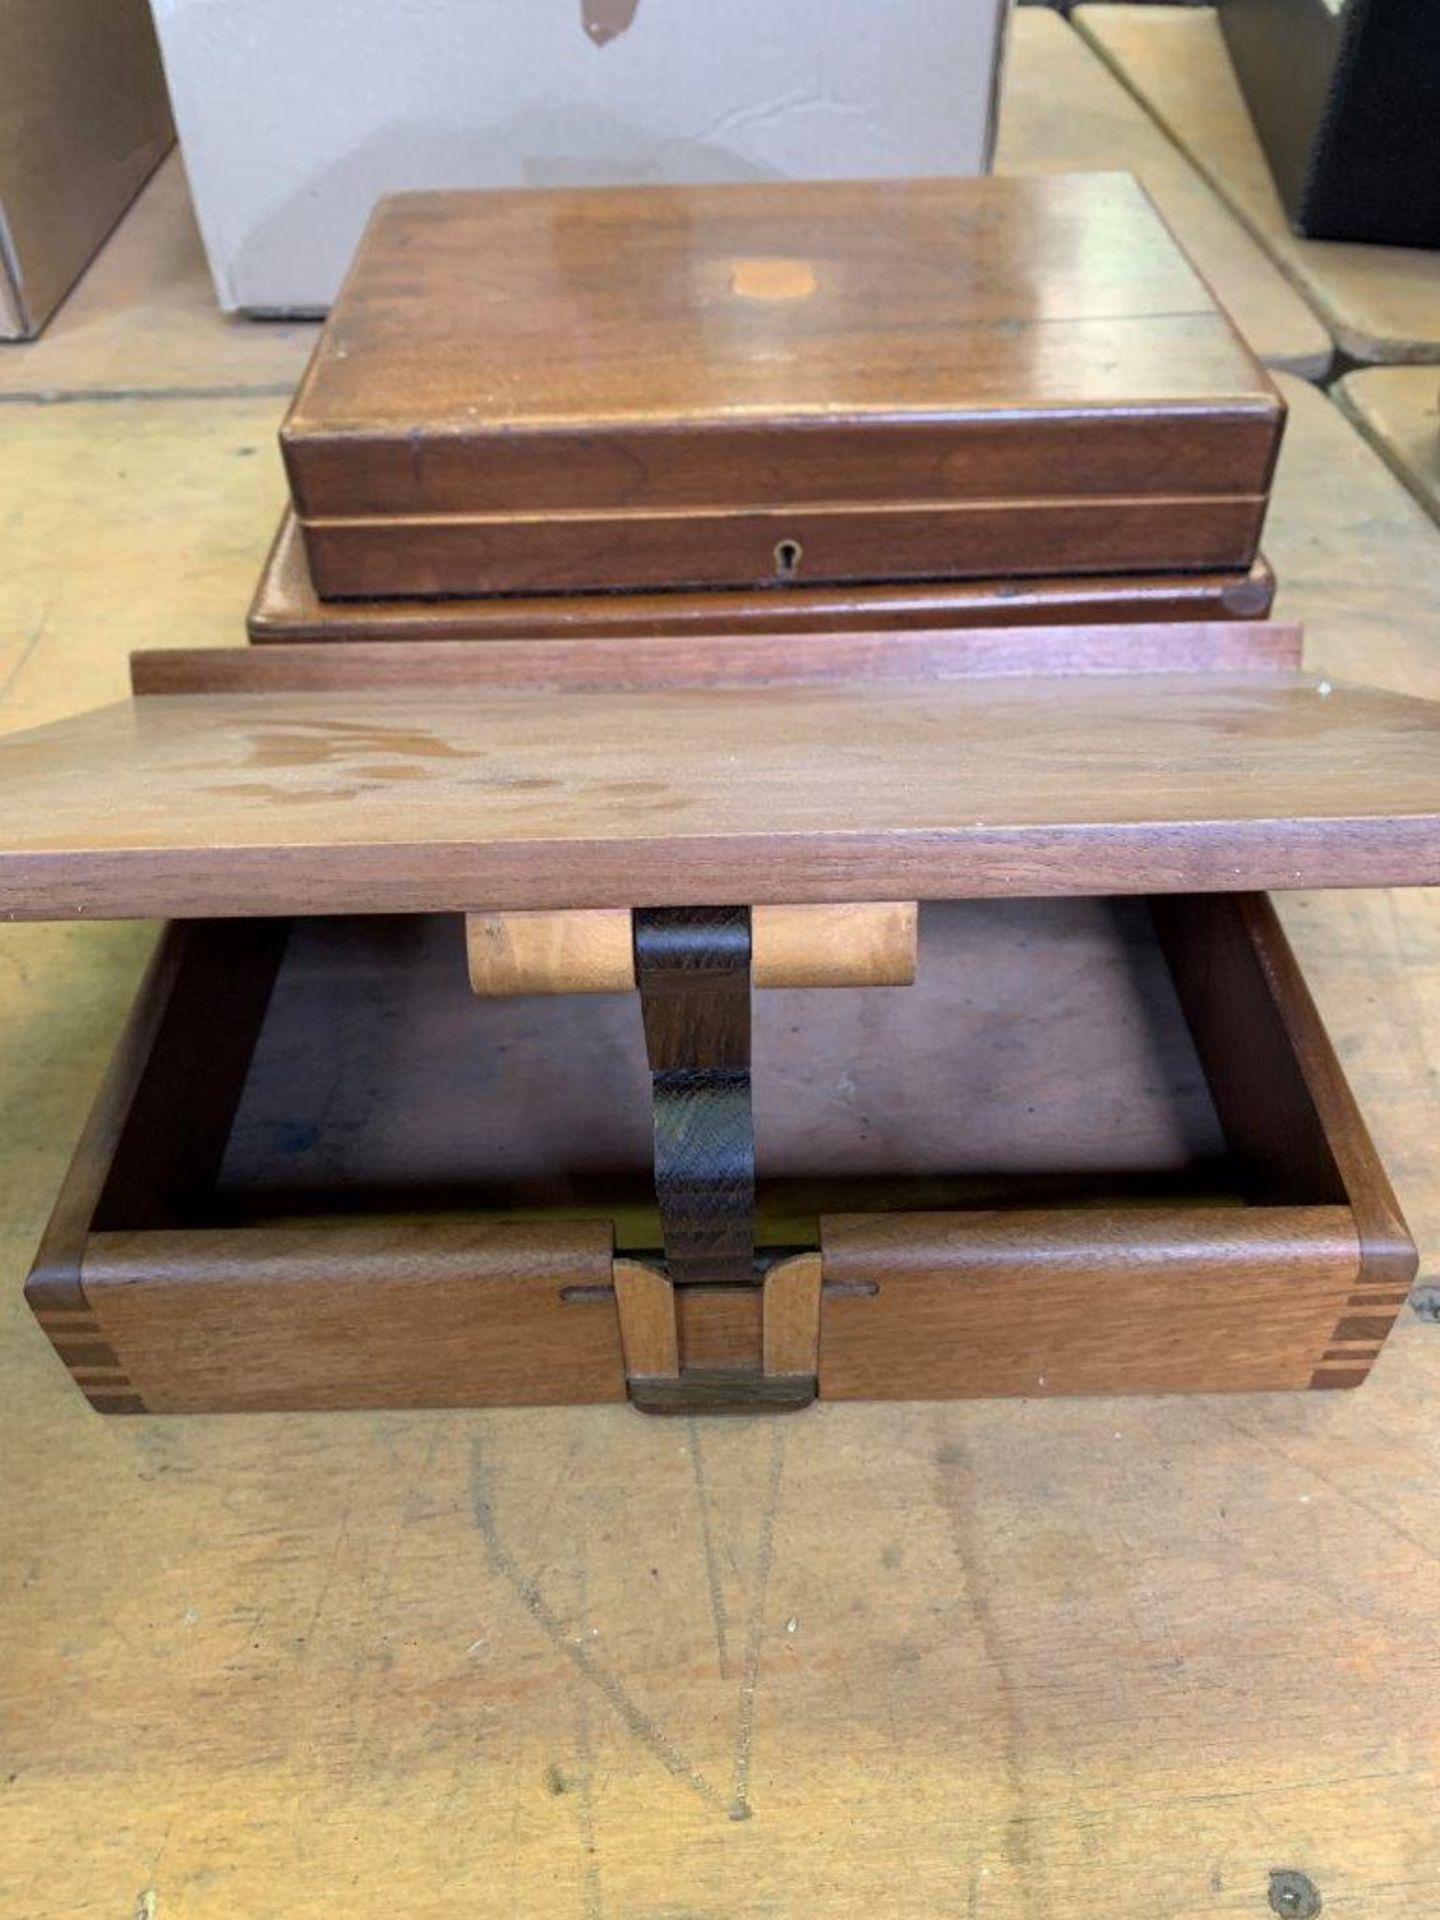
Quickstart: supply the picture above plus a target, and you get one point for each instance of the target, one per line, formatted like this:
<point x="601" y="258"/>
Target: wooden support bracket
<point x="848" y="944"/>
<point x="779" y="1377"/>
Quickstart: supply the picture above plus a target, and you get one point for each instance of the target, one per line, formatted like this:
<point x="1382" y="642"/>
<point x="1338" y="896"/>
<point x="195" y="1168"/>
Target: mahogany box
<point x="531" y="1029"/>
<point x="286" y="608"/>
<point x="781" y="383"/>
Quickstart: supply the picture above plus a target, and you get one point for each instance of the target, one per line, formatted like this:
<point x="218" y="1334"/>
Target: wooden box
<point x="1100" y="1144"/>
<point x="287" y="609"/>
<point x="1048" y="1167"/>
<point x="792" y="383"/>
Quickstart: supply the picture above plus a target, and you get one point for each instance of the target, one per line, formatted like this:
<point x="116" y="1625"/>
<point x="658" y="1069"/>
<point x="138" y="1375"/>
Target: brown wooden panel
<point x="932" y="1306"/>
<point x="645" y="1302"/>
<point x="897" y="356"/>
<point x="393" y="802"/>
<point x="792" y="1315"/>
<point x="360" y="1315"/>
<point x="757" y="658"/>
<point x="286" y="607"/>
<point x="1281" y="1094"/>
<point x="157" y="1129"/>
<point x="513" y="553"/>
<point x="720" y="1327"/>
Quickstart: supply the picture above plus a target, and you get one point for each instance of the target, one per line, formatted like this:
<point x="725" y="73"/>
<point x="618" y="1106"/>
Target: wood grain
<point x="1089" y="1237"/>
<point x="519" y="553"/>
<point x="157" y="1128"/>
<point x="721" y="659"/>
<point x="792" y="1315"/>
<point x="591" y="951"/>
<point x="408" y="802"/>
<point x="1284" y="1102"/>
<point x="437" y="445"/>
<point x="1398" y="411"/>
<point x="927" y="299"/>
<point x="645" y="1302"/>
<point x="286" y="608"/>
<point x="856" y="944"/>
<point x="1149" y="1301"/>
<point x="721" y="1328"/>
<point x="411" y="1314"/>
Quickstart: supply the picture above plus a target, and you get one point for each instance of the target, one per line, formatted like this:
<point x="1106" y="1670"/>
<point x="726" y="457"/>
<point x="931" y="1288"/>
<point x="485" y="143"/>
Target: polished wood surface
<point x="405" y="802"/>
<point x="857" y="944"/>
<point x="810" y="381"/>
<point x="402" y="1314"/>
<point x="1242" y="1299"/>
<point x="156" y="1133"/>
<point x="287" y="609"/>
<point x="883" y="302"/>
<point x="712" y="659"/>
<point x="519" y="553"/>
<point x="1277" y="1295"/>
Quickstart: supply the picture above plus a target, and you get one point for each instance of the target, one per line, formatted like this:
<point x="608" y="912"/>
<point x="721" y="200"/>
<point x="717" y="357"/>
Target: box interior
<point x="1041" y="1059"/>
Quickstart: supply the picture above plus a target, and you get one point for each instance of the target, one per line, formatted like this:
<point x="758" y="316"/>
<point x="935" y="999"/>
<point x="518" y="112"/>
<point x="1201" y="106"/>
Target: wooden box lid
<point x="450" y="777"/>
<point x="555" y="390"/>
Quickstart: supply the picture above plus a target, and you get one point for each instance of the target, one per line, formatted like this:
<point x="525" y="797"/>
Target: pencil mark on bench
<point x="740" y="1808"/>
<point x="580" y="1655"/>
<point x="712" y="1567"/>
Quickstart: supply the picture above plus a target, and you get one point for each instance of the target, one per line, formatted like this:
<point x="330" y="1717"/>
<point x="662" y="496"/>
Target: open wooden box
<point x="1100" y="1145"/>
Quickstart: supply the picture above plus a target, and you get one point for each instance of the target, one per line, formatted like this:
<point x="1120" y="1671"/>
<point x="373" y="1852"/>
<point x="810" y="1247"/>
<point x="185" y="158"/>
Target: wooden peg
<point x="855" y="943"/>
<point x="584" y="951"/>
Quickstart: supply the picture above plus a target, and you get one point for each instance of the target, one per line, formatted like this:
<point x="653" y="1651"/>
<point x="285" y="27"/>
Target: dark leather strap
<point x="692" y="966"/>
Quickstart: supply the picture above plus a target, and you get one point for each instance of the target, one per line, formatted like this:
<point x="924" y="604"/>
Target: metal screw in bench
<point x="1293" y="1895"/>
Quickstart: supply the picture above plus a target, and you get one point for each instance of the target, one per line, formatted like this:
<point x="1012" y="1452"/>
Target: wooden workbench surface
<point x="1379" y="303"/>
<point x="1398" y="410"/>
<point x="1063" y="110"/>
<point x="996" y="1661"/>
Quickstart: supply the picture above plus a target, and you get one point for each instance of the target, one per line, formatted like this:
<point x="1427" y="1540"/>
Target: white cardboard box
<point x="295" y="115"/>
